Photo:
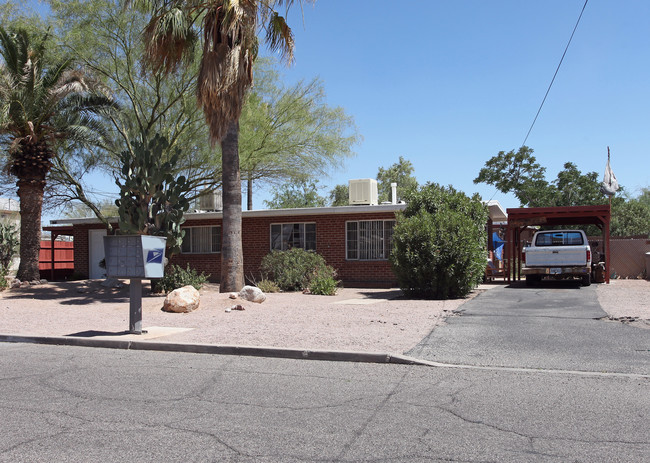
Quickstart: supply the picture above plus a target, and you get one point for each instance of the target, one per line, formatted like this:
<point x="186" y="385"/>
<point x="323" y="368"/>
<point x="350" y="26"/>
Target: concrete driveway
<point x="557" y="325"/>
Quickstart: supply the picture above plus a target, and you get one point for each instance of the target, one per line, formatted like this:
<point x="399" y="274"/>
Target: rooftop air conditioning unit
<point x="363" y="191"/>
<point x="211" y="201"/>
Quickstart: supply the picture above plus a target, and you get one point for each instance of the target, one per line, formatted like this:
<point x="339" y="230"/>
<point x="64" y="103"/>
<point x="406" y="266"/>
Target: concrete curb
<point x="253" y="351"/>
<point x="296" y="354"/>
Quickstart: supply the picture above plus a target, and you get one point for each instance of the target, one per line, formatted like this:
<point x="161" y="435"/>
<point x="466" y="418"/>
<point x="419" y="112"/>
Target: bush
<point x="323" y="281"/>
<point x="4" y="283"/>
<point x="291" y="270"/>
<point x="8" y="244"/>
<point x="176" y="277"/>
<point x="268" y="286"/>
<point x="439" y="243"/>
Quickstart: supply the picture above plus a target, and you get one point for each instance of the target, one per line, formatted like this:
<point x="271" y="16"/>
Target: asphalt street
<point x="76" y="404"/>
<point x="556" y="325"/>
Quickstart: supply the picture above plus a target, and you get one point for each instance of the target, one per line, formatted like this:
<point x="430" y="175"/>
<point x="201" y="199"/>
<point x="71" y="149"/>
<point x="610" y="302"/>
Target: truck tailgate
<point x="564" y="256"/>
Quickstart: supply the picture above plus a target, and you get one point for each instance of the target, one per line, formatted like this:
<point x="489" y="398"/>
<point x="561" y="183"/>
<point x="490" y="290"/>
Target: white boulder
<point x="252" y="294"/>
<point x="182" y="300"/>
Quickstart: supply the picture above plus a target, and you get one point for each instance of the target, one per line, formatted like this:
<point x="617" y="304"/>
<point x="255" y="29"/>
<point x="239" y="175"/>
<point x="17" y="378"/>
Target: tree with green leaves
<point x="107" y="39"/>
<point x="520" y="173"/>
<point x="42" y="105"/>
<point x="77" y="210"/>
<point x="297" y="194"/>
<point x="227" y="30"/>
<point x="401" y="173"/>
<point x="577" y="189"/>
<point x="289" y="132"/>
<point x="340" y="195"/>
<point x="631" y="216"/>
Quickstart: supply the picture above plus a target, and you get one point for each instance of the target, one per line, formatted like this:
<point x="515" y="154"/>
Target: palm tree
<point x="228" y="32"/>
<point x="42" y="105"/>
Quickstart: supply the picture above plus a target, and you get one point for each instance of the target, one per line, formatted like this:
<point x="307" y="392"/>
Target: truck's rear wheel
<point x="586" y="279"/>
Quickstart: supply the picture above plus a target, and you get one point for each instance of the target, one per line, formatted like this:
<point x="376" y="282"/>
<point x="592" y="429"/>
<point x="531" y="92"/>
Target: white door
<point x="96" y="253"/>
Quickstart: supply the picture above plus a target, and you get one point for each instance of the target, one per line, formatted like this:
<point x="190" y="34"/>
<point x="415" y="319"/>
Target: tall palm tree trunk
<point x="232" y="255"/>
<point x="31" y="205"/>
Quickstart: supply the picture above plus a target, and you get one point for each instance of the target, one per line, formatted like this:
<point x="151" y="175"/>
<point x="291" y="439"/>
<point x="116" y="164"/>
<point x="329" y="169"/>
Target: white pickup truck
<point x="558" y="254"/>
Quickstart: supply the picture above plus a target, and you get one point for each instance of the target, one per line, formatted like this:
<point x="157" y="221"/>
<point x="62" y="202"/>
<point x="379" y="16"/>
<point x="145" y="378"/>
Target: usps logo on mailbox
<point x="155" y="256"/>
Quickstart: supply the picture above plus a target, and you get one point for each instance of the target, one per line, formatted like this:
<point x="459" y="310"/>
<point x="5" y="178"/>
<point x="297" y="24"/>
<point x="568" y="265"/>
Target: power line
<point x="556" y="71"/>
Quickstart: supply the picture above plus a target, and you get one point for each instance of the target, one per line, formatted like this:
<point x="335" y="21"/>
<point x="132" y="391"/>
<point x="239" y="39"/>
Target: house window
<point x="201" y="240"/>
<point x="369" y="239"/>
<point x="285" y="236"/>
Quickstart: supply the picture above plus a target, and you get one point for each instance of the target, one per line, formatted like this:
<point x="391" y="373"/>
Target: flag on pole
<point x="609" y="185"/>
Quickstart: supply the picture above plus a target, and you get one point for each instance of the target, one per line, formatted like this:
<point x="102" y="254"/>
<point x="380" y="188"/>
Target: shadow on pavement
<point x="76" y="292"/>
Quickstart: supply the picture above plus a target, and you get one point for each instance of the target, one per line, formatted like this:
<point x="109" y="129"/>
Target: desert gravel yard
<point x="367" y="320"/>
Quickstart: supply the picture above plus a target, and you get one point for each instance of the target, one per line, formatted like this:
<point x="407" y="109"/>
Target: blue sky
<point x="449" y="84"/>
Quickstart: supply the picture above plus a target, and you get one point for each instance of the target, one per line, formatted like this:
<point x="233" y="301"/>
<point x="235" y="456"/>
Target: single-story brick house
<point x="353" y="239"/>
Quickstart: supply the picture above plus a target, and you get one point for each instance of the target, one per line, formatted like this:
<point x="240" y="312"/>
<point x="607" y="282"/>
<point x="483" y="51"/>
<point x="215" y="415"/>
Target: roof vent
<point x="363" y="191"/>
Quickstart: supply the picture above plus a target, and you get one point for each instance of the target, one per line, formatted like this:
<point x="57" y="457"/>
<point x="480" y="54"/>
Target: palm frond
<point x="280" y="37"/>
<point x="169" y="40"/>
<point x="14" y="50"/>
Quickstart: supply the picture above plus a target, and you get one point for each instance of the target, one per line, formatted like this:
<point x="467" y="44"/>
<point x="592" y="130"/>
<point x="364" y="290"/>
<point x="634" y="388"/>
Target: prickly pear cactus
<point x="152" y="201"/>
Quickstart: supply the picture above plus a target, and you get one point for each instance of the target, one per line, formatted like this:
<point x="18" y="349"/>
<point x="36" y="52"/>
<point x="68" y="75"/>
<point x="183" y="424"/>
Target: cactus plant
<point x="8" y="245"/>
<point x="152" y="201"/>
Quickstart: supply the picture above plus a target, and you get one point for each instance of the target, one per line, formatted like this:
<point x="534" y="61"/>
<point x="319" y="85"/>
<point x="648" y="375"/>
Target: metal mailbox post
<point x="135" y="257"/>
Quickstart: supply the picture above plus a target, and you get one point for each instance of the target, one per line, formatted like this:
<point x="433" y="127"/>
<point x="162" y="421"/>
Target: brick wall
<point x="81" y="246"/>
<point x="256" y="237"/>
<point x="330" y="243"/>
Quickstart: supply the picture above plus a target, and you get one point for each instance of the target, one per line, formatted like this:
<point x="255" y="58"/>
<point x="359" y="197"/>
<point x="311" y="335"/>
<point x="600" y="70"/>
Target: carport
<point x="521" y="218"/>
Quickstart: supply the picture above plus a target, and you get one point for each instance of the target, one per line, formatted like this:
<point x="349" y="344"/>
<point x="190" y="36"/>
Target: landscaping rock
<point x="252" y="294"/>
<point x="15" y="283"/>
<point x="232" y="295"/>
<point x="182" y="300"/>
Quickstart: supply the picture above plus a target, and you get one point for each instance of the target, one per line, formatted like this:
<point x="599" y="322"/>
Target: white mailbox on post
<point x="134" y="256"/>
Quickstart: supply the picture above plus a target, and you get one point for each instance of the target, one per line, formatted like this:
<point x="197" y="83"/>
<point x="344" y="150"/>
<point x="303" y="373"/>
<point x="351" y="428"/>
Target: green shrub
<point x="291" y="270"/>
<point x="4" y="283"/>
<point x="439" y="243"/>
<point x="8" y="244"/>
<point x="176" y="277"/>
<point x="323" y="281"/>
<point x="268" y="286"/>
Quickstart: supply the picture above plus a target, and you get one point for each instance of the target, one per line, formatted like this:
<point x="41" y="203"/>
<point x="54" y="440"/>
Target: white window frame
<point x="188" y="232"/>
<point x="385" y="243"/>
<point x="293" y="224"/>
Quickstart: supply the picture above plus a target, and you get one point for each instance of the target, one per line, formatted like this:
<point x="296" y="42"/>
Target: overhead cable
<point x="556" y="71"/>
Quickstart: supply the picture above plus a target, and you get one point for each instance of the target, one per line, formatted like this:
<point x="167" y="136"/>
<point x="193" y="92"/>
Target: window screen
<point x="293" y="235"/>
<point x="369" y="239"/>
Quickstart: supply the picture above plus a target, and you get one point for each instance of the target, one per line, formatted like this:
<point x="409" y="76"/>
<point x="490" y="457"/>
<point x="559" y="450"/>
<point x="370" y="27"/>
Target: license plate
<point x="555" y="271"/>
